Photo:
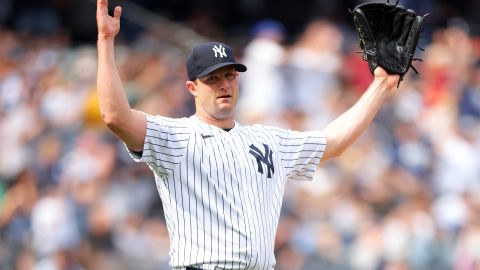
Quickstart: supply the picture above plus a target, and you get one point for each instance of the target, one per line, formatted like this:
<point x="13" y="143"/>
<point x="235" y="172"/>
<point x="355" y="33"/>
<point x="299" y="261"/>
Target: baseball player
<point x="221" y="183"/>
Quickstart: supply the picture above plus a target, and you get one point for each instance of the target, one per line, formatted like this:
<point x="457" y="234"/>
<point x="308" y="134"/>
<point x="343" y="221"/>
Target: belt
<point x="193" y="268"/>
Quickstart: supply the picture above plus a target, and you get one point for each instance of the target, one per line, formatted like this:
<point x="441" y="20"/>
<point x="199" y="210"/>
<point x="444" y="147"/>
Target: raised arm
<point x="345" y="129"/>
<point x="128" y="124"/>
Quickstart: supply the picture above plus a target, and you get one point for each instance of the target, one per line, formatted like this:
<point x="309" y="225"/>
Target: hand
<point x="108" y="26"/>
<point x="381" y="75"/>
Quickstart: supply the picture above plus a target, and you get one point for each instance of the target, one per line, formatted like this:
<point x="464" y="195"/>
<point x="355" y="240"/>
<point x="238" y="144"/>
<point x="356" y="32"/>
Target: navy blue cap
<point x="268" y="27"/>
<point x="210" y="56"/>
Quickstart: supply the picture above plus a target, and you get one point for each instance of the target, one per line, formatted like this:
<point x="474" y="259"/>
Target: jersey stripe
<point x="222" y="201"/>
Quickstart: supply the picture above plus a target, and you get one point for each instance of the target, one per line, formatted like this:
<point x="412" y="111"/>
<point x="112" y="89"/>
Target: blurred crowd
<point x="404" y="196"/>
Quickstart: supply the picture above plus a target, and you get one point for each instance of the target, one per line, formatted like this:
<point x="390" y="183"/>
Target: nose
<point x="224" y="84"/>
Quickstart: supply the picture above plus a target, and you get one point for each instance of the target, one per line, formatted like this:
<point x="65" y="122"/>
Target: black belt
<point x="192" y="268"/>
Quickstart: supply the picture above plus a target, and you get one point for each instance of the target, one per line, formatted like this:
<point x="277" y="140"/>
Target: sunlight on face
<point x="217" y="93"/>
<point x="214" y="78"/>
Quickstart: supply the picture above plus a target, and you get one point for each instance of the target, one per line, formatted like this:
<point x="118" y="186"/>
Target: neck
<point x="226" y="123"/>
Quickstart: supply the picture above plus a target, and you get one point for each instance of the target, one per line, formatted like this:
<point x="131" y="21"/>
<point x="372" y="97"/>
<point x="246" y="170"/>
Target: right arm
<point x="128" y="124"/>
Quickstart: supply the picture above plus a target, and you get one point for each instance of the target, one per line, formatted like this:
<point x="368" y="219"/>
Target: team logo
<point x="265" y="158"/>
<point x="219" y="50"/>
<point x="206" y="136"/>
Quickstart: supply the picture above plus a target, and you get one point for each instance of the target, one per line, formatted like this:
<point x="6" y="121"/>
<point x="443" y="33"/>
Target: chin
<point x="224" y="113"/>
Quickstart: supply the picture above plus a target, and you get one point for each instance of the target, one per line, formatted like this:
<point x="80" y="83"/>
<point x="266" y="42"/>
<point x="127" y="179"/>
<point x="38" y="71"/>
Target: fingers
<point x="102" y="8"/>
<point x="117" y="12"/>
<point x="102" y="5"/>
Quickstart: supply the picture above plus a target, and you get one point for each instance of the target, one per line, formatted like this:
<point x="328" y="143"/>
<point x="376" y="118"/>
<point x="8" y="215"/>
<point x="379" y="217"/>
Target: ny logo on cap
<point x="220" y="50"/>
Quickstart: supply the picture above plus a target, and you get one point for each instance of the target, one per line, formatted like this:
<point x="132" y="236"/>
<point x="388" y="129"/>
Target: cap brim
<point x="238" y="67"/>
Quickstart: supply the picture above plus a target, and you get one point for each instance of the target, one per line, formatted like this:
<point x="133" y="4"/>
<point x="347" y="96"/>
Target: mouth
<point x="224" y="96"/>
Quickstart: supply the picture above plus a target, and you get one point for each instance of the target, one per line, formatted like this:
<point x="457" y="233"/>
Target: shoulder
<point x="282" y="133"/>
<point x="264" y="128"/>
<point x="166" y="126"/>
<point x="268" y="130"/>
<point x="163" y="122"/>
<point x="168" y="121"/>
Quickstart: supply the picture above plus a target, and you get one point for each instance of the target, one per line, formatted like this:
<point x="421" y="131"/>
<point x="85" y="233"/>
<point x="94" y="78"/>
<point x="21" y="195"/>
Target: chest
<point x="236" y="155"/>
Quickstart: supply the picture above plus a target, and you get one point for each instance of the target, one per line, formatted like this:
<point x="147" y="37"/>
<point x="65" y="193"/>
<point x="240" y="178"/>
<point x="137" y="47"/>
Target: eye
<point x="230" y="76"/>
<point x="211" y="79"/>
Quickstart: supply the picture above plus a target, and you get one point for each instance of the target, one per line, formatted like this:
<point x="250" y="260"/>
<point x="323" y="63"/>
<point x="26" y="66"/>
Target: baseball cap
<point x="269" y="28"/>
<point x="210" y="56"/>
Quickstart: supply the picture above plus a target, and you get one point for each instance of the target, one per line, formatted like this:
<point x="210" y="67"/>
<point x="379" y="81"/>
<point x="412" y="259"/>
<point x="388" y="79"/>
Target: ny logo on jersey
<point x="220" y="50"/>
<point x="265" y="158"/>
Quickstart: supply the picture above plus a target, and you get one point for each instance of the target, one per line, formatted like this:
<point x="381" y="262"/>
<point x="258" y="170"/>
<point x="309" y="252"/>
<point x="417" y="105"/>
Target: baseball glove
<point x="388" y="36"/>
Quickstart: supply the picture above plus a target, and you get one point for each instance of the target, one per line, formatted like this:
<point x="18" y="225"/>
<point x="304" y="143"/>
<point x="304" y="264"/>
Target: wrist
<point x="378" y="80"/>
<point x="389" y="81"/>
<point x="380" y="84"/>
<point x="105" y="38"/>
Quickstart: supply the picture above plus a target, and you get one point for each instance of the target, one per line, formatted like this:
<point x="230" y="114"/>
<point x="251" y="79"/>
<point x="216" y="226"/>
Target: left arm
<point x="345" y="129"/>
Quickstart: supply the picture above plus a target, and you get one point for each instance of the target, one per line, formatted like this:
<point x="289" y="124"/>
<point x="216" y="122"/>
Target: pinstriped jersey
<point x="222" y="190"/>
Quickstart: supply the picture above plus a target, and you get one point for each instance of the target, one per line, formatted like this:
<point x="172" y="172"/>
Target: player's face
<point x="217" y="93"/>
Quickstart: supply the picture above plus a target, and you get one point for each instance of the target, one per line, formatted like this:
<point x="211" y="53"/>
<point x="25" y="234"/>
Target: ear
<point x="191" y="87"/>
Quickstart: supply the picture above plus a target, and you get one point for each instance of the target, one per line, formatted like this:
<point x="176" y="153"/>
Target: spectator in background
<point x="261" y="97"/>
<point x="18" y="202"/>
<point x="36" y="17"/>
<point x="387" y="185"/>
<point x="312" y="67"/>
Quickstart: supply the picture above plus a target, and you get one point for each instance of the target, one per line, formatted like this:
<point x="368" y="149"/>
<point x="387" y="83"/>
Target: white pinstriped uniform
<point x="222" y="191"/>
